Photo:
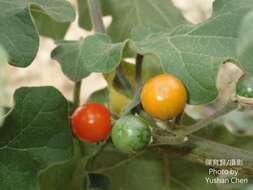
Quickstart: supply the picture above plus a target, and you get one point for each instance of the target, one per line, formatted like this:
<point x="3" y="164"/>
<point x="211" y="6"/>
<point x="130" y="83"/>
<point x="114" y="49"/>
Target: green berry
<point x="130" y="134"/>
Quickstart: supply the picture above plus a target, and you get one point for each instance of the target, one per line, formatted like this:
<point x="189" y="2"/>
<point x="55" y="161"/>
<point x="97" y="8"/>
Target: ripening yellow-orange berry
<point x="163" y="97"/>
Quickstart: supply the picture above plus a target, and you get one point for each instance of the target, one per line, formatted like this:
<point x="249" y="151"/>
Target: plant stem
<point x="96" y="16"/>
<point x="138" y="69"/>
<point x="77" y="92"/>
<point x="187" y="130"/>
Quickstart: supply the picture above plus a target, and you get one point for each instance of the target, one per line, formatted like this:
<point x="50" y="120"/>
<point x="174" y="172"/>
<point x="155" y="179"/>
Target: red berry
<point x="91" y="123"/>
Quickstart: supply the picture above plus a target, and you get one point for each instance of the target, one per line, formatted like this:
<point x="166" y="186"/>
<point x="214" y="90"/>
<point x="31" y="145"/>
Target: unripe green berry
<point x="130" y="134"/>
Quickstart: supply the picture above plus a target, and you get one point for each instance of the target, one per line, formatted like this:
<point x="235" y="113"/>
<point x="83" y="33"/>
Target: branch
<point x="187" y="130"/>
<point x="198" y="150"/>
<point x="96" y="15"/>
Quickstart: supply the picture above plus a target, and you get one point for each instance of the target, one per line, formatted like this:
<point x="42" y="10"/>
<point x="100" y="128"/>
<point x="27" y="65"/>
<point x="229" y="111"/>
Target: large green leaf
<point x="141" y="172"/>
<point x="3" y="60"/>
<point x="18" y="33"/>
<point x="67" y="176"/>
<point x="151" y="170"/>
<point x="62" y="177"/>
<point x="192" y="53"/>
<point x="160" y="15"/>
<point x="34" y="135"/>
<point x="187" y="175"/>
<point x="127" y="176"/>
<point x="70" y="175"/>
<point x="69" y="56"/>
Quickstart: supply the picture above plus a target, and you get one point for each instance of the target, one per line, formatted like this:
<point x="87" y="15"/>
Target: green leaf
<point x="47" y="26"/>
<point x="67" y="176"/>
<point x="132" y="172"/>
<point x="84" y="19"/>
<point x="160" y="15"/>
<point x="150" y="171"/>
<point x="99" y="54"/>
<point x="183" y="178"/>
<point x="68" y="54"/>
<point x="100" y="96"/>
<point x="59" y="177"/>
<point x="18" y="33"/>
<point x="19" y="37"/>
<point x="71" y="175"/>
<point x="34" y="135"/>
<point x="59" y="10"/>
<point x="93" y="54"/>
<point x="3" y="61"/>
<point x="150" y="67"/>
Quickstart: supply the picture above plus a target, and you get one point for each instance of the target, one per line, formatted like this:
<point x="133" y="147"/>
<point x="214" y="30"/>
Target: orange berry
<point x="163" y="97"/>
